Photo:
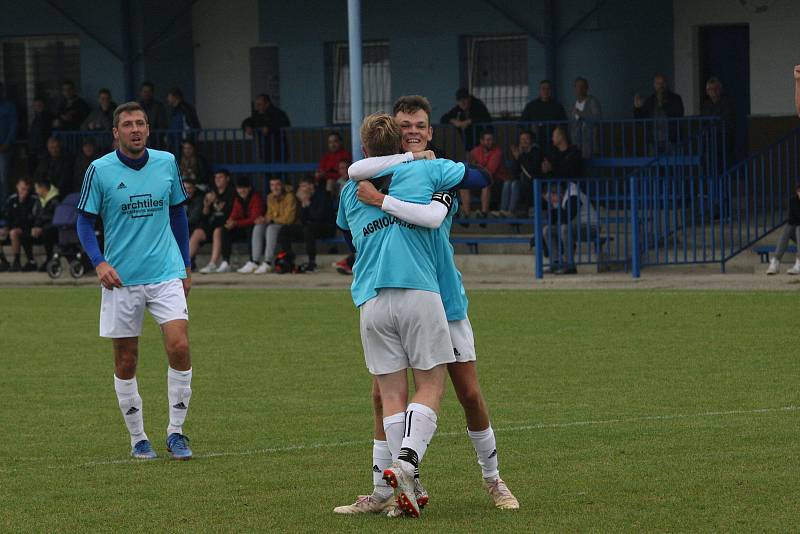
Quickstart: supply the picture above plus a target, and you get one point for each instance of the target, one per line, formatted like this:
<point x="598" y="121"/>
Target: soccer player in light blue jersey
<point x="403" y="323"/>
<point x="413" y="115"/>
<point x="138" y="193"/>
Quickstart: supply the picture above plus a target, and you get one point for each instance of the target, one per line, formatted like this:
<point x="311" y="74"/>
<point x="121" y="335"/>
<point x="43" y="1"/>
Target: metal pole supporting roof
<point x="356" y="75"/>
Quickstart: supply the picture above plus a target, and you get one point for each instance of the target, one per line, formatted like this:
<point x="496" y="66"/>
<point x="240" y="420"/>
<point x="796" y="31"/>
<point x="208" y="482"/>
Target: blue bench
<point x="764" y="252"/>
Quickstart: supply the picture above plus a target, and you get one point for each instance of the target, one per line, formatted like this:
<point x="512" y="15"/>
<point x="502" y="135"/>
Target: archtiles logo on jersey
<point x="142" y="206"/>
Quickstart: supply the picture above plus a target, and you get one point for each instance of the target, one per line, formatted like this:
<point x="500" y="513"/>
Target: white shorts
<point x="122" y="308"/>
<point x="402" y="328"/>
<point x="463" y="340"/>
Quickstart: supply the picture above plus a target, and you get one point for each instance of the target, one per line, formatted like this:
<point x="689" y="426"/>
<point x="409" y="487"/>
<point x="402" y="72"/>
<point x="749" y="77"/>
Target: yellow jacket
<point x="283" y="211"/>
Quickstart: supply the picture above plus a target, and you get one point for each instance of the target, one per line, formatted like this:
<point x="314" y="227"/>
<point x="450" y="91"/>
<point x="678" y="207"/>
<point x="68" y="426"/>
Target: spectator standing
<point x="56" y="166"/>
<point x="662" y="104"/>
<point x="193" y="165"/>
<point x="156" y="112"/>
<point x="217" y="208"/>
<point x="281" y="210"/>
<point x="581" y="129"/>
<point x="38" y="132"/>
<point x="85" y="157"/>
<point x="316" y="221"/>
<point x="468" y="112"/>
<point x="790" y="232"/>
<point x="19" y="221"/>
<point x="329" y="164"/>
<point x="544" y="109"/>
<point x="489" y="156"/>
<point x="182" y="117"/>
<point x="43" y="230"/>
<point x="102" y="117"/>
<point x="247" y="207"/>
<point x="266" y="123"/>
<point x="72" y="109"/>
<point x="527" y="164"/>
<point x="8" y="134"/>
<point x="716" y="104"/>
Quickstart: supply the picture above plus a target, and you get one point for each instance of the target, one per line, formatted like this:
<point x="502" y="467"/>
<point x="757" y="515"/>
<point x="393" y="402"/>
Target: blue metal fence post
<point x="537" y="227"/>
<point x="356" y="75"/>
<point x="635" y="260"/>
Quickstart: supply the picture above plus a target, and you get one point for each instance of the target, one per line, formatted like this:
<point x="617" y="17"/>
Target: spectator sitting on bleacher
<point x="316" y="221"/>
<point x="72" y="109"/>
<point x="268" y="120"/>
<point x="194" y="205"/>
<point x="790" y="232"/>
<point x="573" y="220"/>
<point x="564" y="160"/>
<point x="330" y="162"/>
<point x="248" y="206"/>
<point x="217" y="208"/>
<point x="85" y="157"/>
<point x="101" y="117"/>
<point x="56" y="166"/>
<point x="586" y="108"/>
<point x="489" y="156"/>
<point x="38" y="132"/>
<point x="526" y="164"/>
<point x="44" y="209"/>
<point x="193" y="165"/>
<point x="468" y="111"/>
<point x="281" y="210"/>
<point x="19" y="222"/>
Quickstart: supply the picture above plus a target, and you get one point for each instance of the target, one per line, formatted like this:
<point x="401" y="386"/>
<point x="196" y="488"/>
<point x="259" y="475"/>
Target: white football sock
<point x="394" y="426"/>
<point x="419" y="431"/>
<point x="486" y="449"/>
<point x="130" y="404"/>
<point x="179" y="391"/>
<point x="381" y="460"/>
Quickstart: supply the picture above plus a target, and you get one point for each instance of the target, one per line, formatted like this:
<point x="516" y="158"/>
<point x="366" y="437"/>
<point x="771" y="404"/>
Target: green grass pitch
<point x="614" y="411"/>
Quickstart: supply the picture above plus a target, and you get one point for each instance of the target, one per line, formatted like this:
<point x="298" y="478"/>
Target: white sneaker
<point x="774" y="266"/>
<point x="208" y="269"/>
<point x="402" y="482"/>
<point x="247" y="268"/>
<point x="501" y="495"/>
<point x="367" y="504"/>
<point x="263" y="268"/>
<point x="224" y="267"/>
<point x="795" y="269"/>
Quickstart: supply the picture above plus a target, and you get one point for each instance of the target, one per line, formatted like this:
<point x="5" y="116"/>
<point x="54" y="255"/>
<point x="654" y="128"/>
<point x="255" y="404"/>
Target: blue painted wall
<point x="619" y="50"/>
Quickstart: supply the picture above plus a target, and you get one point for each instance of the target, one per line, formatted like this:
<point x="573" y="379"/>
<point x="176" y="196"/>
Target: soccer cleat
<point x="774" y="266"/>
<point x="178" y="445"/>
<point x="795" y="269"/>
<point x="402" y="483"/>
<point x="224" y="267"/>
<point x="208" y="269"/>
<point x="247" y="268"/>
<point x="143" y="450"/>
<point x="420" y="493"/>
<point x="502" y="496"/>
<point x="367" y="504"/>
<point x="263" y="268"/>
<point x="342" y="267"/>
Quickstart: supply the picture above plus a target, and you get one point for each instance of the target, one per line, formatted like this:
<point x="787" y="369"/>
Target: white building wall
<point x="223" y="32"/>
<point x="774" y="50"/>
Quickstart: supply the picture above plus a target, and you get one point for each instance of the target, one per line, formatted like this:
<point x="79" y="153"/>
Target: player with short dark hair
<point x="139" y="194"/>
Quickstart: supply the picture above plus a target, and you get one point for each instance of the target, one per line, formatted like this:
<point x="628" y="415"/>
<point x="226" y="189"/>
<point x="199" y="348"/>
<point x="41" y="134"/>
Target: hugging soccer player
<point x="138" y="193"/>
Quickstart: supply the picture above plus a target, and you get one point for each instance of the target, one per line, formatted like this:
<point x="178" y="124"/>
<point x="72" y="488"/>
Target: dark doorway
<point x="725" y="54"/>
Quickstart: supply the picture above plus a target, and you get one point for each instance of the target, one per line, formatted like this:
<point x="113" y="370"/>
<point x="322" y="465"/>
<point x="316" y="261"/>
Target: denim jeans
<point x="510" y="196"/>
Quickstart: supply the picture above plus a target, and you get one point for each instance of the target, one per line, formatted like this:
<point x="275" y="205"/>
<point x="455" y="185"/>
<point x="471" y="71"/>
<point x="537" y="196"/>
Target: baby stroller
<point x="69" y="246"/>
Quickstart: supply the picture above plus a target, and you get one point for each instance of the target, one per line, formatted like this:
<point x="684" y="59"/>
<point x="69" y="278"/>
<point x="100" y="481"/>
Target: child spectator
<point x="43" y="230"/>
<point x="19" y="222"/>
<point x="194" y="205"/>
<point x="217" y="208"/>
<point x="281" y="210"/>
<point x="247" y="207"/>
<point x="315" y="222"/>
<point x="193" y="165"/>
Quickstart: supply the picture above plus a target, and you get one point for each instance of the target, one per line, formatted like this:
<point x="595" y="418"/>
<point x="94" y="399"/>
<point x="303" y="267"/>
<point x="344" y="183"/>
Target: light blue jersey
<point x="134" y="205"/>
<point x="451" y="288"/>
<point x="409" y="253"/>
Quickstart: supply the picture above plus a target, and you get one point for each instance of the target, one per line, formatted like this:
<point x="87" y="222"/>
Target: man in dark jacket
<point x="43" y="230"/>
<point x="56" y="166"/>
<point x="248" y="205"/>
<point x="662" y="104"/>
<point x="719" y="105"/>
<point x="72" y="109"/>
<point x="194" y="205"/>
<point x="266" y="123"/>
<point x="316" y="221"/>
<point x="38" y="133"/>
<point x="468" y="112"/>
<point x="155" y="110"/>
<point x="19" y="222"/>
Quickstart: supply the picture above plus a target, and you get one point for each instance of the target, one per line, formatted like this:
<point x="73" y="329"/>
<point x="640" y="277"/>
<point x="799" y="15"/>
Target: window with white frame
<point x="34" y="67"/>
<point x="496" y="71"/>
<point x="377" y="80"/>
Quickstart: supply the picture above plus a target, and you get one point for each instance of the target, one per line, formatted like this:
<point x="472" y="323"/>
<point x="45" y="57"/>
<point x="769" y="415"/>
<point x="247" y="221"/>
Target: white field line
<point x="522" y="428"/>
